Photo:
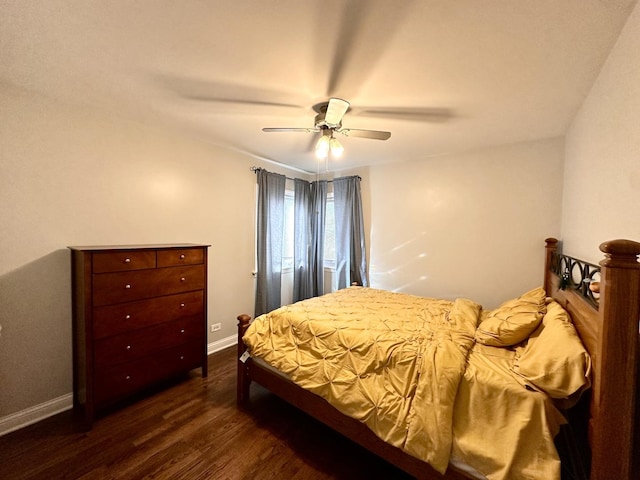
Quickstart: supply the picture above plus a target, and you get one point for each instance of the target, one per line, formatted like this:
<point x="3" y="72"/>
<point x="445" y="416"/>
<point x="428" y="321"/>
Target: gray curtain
<point x="303" y="241"/>
<point x="350" y="244"/>
<point x="319" y="211"/>
<point x="309" y="227"/>
<point x="270" y="227"/>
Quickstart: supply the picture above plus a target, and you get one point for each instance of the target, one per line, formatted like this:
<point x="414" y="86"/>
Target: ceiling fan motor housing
<point x="321" y="122"/>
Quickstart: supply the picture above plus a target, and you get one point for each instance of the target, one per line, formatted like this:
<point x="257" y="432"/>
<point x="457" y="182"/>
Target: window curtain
<point x="310" y="207"/>
<point x="310" y="200"/>
<point x="350" y="244"/>
<point x="319" y="208"/>
<point x="270" y="233"/>
<point x="302" y="241"/>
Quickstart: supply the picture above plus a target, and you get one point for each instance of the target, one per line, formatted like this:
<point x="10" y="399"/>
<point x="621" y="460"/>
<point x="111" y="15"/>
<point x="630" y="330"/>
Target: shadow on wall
<point x="35" y="341"/>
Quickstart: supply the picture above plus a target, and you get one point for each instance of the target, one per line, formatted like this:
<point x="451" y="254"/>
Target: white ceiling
<point x="466" y="73"/>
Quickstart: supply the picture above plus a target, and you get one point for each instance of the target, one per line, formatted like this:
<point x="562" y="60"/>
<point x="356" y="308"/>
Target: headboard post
<point x="617" y="365"/>
<point x="551" y="248"/>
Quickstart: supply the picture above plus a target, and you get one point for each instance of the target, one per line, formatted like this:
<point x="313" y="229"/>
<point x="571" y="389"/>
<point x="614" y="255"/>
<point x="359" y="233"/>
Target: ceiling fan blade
<point x="335" y="111"/>
<point x="415" y="114"/>
<point x="357" y="42"/>
<point x="240" y="101"/>
<point x="225" y="94"/>
<point x="285" y="129"/>
<point x="374" y="134"/>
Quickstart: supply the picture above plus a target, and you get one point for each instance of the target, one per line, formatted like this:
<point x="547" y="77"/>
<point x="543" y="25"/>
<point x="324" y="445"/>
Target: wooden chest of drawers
<point x="139" y="317"/>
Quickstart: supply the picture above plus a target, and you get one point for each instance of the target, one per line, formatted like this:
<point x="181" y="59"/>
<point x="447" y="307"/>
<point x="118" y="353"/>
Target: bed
<point x="603" y="303"/>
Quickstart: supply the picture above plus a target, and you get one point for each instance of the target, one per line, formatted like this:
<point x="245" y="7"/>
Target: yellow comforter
<point x="500" y="428"/>
<point x="393" y="361"/>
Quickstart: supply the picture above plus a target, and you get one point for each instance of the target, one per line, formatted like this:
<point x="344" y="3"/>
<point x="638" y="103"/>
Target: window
<point x="330" y="235"/>
<point x="276" y="213"/>
<point x="289" y="217"/>
<point x="329" y="239"/>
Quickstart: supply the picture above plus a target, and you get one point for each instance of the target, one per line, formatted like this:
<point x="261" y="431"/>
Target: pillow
<point x="555" y="360"/>
<point x="514" y="320"/>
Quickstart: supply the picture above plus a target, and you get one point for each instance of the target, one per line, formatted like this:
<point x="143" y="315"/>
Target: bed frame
<point x="604" y="303"/>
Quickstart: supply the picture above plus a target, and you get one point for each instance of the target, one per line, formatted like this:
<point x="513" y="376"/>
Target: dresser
<point x="139" y="318"/>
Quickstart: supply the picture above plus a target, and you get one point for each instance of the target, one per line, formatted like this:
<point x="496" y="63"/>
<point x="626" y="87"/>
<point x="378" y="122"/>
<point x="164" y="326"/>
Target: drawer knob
<point x="182" y="305"/>
<point x="128" y="377"/>
<point x="182" y="330"/>
<point x="127" y="260"/>
<point x="128" y="285"/>
<point x="181" y="357"/>
<point x="182" y="279"/>
<point x="128" y="347"/>
<point x="182" y="257"/>
<point x="127" y="317"/>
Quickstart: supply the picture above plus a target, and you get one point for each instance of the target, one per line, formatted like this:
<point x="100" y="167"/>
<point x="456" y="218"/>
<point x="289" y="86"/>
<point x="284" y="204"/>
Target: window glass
<point x="289" y="233"/>
<point x="289" y="218"/>
<point x="330" y="235"/>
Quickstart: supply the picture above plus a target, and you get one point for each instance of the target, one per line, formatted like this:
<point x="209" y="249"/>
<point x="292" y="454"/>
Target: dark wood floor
<point x="190" y="430"/>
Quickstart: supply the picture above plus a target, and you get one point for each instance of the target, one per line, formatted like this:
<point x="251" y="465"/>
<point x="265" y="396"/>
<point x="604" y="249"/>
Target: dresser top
<point x="137" y="247"/>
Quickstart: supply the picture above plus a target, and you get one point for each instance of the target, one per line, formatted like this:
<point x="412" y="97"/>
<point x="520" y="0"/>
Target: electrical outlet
<point x="215" y="327"/>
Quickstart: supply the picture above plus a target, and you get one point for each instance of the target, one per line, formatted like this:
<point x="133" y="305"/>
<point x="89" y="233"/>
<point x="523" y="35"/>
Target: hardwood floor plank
<point x="190" y="430"/>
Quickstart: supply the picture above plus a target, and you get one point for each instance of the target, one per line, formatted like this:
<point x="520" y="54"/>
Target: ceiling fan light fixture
<point x="336" y="147"/>
<point x="323" y="146"/>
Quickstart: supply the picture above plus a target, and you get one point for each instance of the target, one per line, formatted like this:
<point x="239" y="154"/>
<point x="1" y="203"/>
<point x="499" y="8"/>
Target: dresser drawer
<point x="117" y="381"/>
<point x="123" y="260"/>
<point x="139" y="343"/>
<point x="111" y="288"/>
<point x="123" y="317"/>
<point x="174" y="257"/>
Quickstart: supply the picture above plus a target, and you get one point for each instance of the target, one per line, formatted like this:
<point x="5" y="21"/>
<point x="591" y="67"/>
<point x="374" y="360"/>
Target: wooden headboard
<point x="607" y="317"/>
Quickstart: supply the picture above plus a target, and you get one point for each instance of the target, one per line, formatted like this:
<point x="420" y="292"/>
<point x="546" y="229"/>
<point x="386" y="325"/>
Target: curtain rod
<point x="255" y="169"/>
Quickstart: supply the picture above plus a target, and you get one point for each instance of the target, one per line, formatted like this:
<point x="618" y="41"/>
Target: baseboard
<point x="222" y="344"/>
<point x="34" y="414"/>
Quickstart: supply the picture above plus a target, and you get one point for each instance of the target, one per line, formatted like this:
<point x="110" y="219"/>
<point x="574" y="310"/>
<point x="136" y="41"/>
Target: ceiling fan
<point x="328" y="121"/>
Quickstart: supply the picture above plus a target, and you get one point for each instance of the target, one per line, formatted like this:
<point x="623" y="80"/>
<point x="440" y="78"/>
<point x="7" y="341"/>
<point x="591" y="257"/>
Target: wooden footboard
<point x="243" y="380"/>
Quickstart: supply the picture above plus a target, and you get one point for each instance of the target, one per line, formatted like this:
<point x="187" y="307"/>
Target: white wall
<point x="70" y="176"/>
<point x="602" y="165"/>
<point x="470" y="225"/>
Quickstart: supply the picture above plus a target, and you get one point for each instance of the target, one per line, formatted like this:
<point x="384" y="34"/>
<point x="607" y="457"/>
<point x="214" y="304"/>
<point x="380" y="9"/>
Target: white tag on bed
<point x="244" y="356"/>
